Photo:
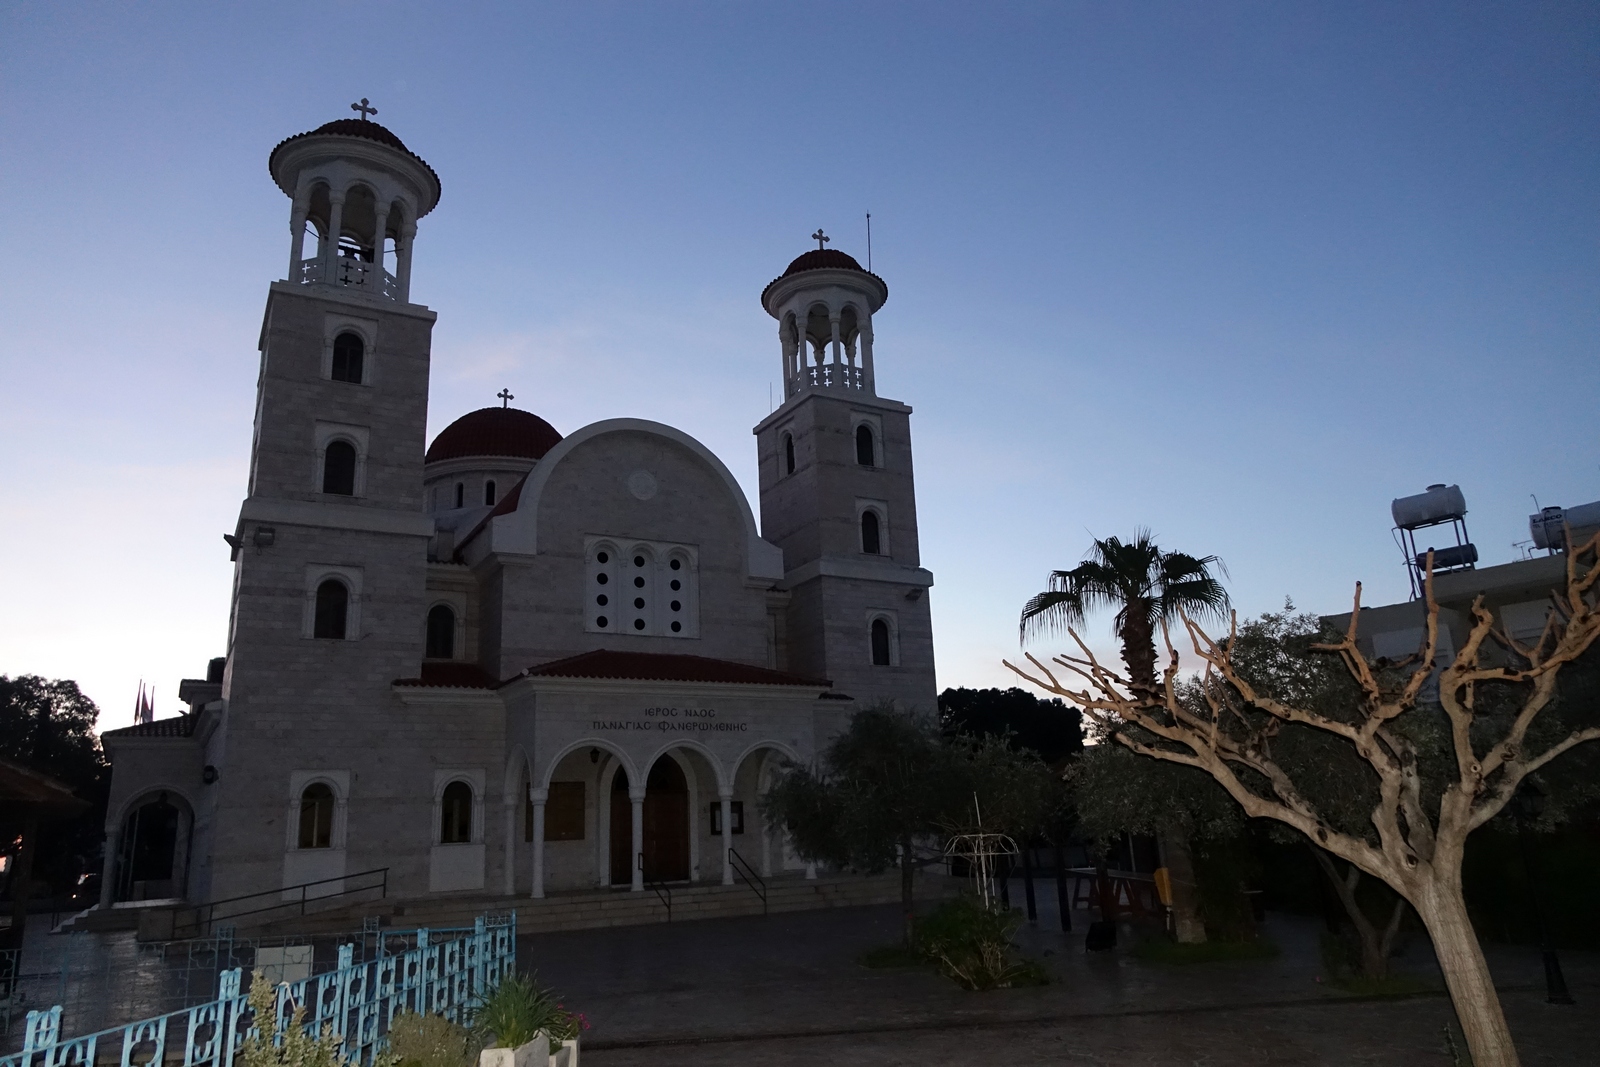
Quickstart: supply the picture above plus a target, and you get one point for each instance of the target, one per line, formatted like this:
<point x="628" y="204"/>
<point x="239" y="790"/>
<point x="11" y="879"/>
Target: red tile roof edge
<point x="666" y="667"/>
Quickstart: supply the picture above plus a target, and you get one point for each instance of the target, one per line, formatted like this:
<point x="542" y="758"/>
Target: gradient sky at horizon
<point x="1237" y="272"/>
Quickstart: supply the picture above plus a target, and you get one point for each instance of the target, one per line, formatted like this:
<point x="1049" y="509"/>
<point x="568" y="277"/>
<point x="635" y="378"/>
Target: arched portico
<point x="752" y="777"/>
<point x="150" y="855"/>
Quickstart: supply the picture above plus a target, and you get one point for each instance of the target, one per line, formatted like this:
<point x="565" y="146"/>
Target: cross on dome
<point x="821" y="238"/>
<point x="365" y="108"/>
<point x="506" y="397"/>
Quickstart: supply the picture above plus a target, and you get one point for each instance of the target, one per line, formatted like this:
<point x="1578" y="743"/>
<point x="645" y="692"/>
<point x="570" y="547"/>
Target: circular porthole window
<point x="638" y="624"/>
<point x="676" y="606"/>
<point x="602" y="578"/>
<point x="603" y="558"/>
<point x="601" y="622"/>
<point x="677" y="564"/>
<point x="601" y="600"/>
<point x="677" y="626"/>
<point x="638" y="583"/>
<point x="638" y="601"/>
<point x="638" y="561"/>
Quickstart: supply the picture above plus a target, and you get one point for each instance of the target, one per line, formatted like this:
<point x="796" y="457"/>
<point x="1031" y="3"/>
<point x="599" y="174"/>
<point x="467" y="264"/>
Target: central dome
<point x="494" y="432"/>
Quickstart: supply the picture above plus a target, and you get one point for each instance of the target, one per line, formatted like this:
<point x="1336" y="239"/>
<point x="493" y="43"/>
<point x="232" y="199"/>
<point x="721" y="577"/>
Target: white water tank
<point x="1440" y="503"/>
<point x="1549" y="526"/>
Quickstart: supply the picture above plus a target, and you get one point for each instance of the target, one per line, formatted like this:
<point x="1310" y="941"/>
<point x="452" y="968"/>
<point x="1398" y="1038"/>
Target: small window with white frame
<point x="883" y="639"/>
<point x="332" y="602"/>
<point x="349" y="346"/>
<point x="341" y="459"/>
<point x="872" y="527"/>
<point x="866" y="439"/>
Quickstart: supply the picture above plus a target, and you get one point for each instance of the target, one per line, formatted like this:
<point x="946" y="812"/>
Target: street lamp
<point x="1526" y="806"/>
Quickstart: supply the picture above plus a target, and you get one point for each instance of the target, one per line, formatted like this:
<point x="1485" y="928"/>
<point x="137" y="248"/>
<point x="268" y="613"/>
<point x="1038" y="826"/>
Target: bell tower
<point x="838" y="494"/>
<point x="330" y="549"/>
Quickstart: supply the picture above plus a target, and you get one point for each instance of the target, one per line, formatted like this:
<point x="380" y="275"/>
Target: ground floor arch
<point x="153" y="845"/>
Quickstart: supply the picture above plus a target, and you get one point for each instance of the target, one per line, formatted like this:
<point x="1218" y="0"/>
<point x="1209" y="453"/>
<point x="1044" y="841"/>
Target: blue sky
<point x="1239" y="272"/>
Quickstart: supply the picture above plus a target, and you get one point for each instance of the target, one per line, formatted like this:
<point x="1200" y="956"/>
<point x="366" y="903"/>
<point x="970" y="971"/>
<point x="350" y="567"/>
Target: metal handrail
<point x="194" y="924"/>
<point x="742" y="869"/>
<point x="662" y="890"/>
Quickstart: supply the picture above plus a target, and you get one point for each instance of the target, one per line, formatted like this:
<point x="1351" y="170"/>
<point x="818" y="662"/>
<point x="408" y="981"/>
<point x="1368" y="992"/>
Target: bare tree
<point x="1434" y="785"/>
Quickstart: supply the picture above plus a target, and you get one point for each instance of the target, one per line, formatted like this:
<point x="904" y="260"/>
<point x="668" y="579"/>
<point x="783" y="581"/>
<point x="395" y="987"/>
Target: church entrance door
<point x="666" y="823"/>
<point x="621" y="831"/>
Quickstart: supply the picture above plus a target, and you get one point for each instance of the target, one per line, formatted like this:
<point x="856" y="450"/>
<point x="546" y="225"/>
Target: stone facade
<point x="515" y="662"/>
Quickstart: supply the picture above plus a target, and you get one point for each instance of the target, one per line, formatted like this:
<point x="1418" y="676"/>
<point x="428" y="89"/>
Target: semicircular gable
<point x="519" y="531"/>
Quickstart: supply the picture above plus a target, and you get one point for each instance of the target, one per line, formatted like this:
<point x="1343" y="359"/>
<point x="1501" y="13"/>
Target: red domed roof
<point x="363" y="128"/>
<point x="824" y="259"/>
<point x="819" y="258"/>
<point x="494" y="432"/>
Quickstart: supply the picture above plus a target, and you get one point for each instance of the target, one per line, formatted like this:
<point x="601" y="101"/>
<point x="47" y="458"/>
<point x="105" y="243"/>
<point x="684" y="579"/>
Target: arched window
<point x="316" y="816"/>
<point x="461" y="495"/>
<point x="339" y="469"/>
<point x="880" y="643"/>
<point x="788" y="452"/>
<point x="488" y="492"/>
<point x="865" y="455"/>
<point x="441" y="633"/>
<point x="333" y="604"/>
<point x="455" y="814"/>
<point x="870" y="541"/>
<point x="348" y="350"/>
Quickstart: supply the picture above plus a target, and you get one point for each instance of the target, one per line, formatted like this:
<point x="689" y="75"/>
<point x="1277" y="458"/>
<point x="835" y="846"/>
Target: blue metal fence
<point x="356" y="1000"/>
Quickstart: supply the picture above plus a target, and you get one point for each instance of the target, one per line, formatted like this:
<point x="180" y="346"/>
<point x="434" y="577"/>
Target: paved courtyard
<point x="787" y="989"/>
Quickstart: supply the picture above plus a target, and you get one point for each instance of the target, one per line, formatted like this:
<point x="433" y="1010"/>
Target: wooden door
<point x="621" y="831"/>
<point x="666" y="823"/>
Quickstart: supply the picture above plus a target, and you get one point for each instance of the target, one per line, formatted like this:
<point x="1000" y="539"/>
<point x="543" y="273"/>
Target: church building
<point x="512" y="661"/>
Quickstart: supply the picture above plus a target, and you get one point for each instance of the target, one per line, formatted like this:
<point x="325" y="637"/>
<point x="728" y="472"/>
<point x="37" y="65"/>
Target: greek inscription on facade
<point x="674" y="720"/>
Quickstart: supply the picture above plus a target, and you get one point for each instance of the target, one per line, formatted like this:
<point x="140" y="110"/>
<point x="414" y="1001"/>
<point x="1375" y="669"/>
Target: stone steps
<point x="603" y="908"/>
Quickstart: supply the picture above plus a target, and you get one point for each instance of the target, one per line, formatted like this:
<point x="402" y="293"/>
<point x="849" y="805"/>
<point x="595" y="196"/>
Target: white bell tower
<point x="358" y="193"/>
<point x="838" y="496"/>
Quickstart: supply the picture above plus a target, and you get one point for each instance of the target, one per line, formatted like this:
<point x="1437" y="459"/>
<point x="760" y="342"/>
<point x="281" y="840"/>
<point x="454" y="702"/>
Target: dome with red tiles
<point x="826" y="259"/>
<point x="494" y="432"/>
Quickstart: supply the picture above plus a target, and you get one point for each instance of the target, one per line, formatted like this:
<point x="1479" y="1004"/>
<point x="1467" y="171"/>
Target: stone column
<point x="727" y="838"/>
<point x="766" y="847"/>
<point x="838" y="354"/>
<point x="377" y="250"/>
<point x="402" y="261"/>
<point x="509" y="858"/>
<point x="108" y="866"/>
<point x="867" y="384"/>
<point x="330" y="252"/>
<point x="539" y="796"/>
<point x="297" y="240"/>
<point x="636" y="860"/>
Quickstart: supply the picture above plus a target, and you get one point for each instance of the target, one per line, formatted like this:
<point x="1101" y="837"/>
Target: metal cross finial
<point x="505" y="397"/>
<point x="821" y="238"/>
<point x="365" y="109"/>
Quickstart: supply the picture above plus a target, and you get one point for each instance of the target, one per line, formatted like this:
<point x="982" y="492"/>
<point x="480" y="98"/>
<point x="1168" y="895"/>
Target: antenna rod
<point x="869" y="242"/>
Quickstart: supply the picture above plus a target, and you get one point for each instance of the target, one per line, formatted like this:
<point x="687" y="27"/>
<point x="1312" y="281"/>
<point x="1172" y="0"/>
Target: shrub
<point x="299" y="1048"/>
<point x="971" y="943"/>
<point x="431" y="1041"/>
<point x="516" y="1009"/>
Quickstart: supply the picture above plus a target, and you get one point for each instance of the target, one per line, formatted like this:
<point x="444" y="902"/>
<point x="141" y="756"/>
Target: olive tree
<point x="1440" y="770"/>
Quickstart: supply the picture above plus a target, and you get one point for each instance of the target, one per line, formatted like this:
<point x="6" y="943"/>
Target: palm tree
<point x="1144" y="585"/>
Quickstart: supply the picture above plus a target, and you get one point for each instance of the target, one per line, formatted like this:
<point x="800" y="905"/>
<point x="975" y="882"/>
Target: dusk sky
<point x="1238" y="272"/>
